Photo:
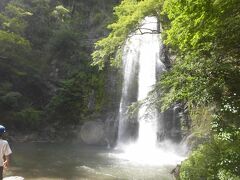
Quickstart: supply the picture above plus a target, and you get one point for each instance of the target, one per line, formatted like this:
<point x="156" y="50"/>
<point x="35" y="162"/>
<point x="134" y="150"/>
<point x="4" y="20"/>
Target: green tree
<point x="44" y="47"/>
<point x="128" y="15"/>
<point x="203" y="35"/>
<point x="71" y="103"/>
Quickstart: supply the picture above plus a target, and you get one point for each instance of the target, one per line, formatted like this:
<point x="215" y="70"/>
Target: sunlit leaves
<point x="205" y="37"/>
<point x="12" y="44"/>
<point x="215" y="159"/>
<point x="60" y="12"/>
<point x="199" y="34"/>
<point x="12" y="18"/>
<point x="128" y="16"/>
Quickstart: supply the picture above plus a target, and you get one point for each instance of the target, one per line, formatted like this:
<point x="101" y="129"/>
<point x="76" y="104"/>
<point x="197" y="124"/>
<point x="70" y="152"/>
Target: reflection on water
<point x="75" y="161"/>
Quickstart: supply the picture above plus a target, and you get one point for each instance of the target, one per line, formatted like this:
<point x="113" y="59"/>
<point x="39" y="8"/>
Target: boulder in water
<point x="92" y="132"/>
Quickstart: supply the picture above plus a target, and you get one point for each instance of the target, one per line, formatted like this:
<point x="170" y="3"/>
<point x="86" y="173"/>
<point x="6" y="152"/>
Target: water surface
<point x="76" y="161"/>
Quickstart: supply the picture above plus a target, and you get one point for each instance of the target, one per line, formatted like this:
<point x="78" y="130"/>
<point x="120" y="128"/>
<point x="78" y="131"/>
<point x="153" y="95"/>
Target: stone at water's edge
<point x="92" y="132"/>
<point x="13" y="178"/>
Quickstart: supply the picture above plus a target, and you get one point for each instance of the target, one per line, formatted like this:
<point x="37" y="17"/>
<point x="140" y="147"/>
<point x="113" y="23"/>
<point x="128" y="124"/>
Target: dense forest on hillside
<point x="52" y="75"/>
<point x="202" y="37"/>
<point x="45" y="72"/>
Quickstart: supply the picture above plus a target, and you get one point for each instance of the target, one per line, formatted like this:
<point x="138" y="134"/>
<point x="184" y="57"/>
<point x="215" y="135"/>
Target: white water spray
<point x="149" y="54"/>
<point x="141" y="57"/>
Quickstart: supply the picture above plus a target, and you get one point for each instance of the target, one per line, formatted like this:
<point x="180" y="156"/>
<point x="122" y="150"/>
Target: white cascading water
<point x="141" y="54"/>
<point x="129" y="72"/>
<point x="149" y="48"/>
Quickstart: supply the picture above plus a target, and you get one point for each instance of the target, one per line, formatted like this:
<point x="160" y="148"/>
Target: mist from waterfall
<point x="141" y="66"/>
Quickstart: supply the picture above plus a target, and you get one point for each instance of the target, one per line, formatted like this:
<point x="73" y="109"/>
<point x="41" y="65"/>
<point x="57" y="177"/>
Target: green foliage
<point x="67" y="106"/>
<point x="12" y="45"/>
<point x="201" y="119"/>
<point x="60" y="12"/>
<point x="225" y="175"/>
<point x="44" y="43"/>
<point x="71" y="103"/>
<point x="28" y="119"/>
<point x="128" y="16"/>
<point x="13" y="18"/>
<point x="206" y="63"/>
<point x="216" y="159"/>
<point x="204" y="36"/>
<point x="64" y="43"/>
<point x="10" y="100"/>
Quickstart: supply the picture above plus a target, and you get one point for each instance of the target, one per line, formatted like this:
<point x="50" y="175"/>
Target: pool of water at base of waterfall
<point x="69" y="161"/>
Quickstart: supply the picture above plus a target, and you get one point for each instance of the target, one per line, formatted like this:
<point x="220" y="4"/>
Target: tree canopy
<point x="45" y="48"/>
<point x="203" y="36"/>
<point x="128" y="15"/>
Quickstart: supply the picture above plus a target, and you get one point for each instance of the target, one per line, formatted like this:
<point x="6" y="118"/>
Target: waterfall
<point x="141" y="66"/>
<point x="141" y="63"/>
<point x="129" y="91"/>
<point x="149" y="55"/>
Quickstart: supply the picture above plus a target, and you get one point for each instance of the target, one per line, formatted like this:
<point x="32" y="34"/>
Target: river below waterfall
<point x="76" y="161"/>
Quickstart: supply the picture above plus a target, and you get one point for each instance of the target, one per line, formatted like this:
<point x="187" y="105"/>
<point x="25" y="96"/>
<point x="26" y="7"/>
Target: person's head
<point x="2" y="130"/>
